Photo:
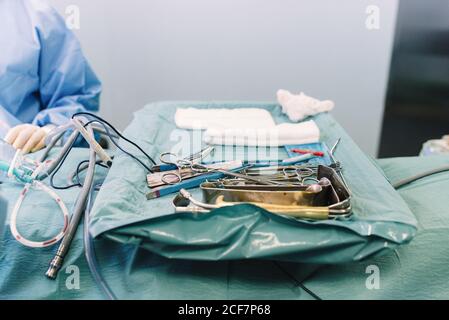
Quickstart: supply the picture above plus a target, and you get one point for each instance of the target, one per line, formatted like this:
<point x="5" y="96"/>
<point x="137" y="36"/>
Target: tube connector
<point x="55" y="266"/>
<point x="102" y="154"/>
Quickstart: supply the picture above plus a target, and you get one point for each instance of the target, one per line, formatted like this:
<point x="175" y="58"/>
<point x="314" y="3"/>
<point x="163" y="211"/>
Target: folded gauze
<point x="280" y="135"/>
<point x="299" y="106"/>
<point x="201" y="119"/>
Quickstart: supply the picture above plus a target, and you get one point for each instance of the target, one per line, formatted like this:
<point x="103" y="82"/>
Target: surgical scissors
<point x="303" y="174"/>
<point x="177" y="169"/>
<point x="171" y="165"/>
<point x="184" y="169"/>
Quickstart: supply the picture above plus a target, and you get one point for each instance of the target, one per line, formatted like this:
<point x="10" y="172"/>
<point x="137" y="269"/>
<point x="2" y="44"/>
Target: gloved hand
<point x="27" y="137"/>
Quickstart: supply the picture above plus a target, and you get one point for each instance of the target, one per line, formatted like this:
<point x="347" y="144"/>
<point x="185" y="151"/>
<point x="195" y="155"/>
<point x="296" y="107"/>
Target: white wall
<point x="145" y="51"/>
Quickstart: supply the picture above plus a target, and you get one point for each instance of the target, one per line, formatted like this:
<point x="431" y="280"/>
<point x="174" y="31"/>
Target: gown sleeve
<point x="67" y="82"/>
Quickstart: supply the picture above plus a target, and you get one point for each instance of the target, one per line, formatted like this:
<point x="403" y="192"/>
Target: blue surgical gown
<point x="44" y="76"/>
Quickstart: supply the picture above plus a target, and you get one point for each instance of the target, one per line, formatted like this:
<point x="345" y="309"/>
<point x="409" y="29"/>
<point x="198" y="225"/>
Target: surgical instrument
<point x="168" y="165"/>
<point x="334" y="147"/>
<point x="172" y="177"/>
<point x="187" y="184"/>
<point x="301" y="174"/>
<point x="288" y="161"/>
<point x="326" y="198"/>
<point x="192" y="182"/>
<point x="304" y="151"/>
<point x="201" y="169"/>
<point x="177" y="182"/>
<point x="285" y="175"/>
<point x="295" y="160"/>
<point x="80" y="205"/>
<point x="337" y="163"/>
<point x="175" y="168"/>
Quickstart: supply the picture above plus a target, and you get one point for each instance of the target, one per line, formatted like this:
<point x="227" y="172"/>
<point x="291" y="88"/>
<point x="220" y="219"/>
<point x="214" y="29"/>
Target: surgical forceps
<point x="179" y="169"/>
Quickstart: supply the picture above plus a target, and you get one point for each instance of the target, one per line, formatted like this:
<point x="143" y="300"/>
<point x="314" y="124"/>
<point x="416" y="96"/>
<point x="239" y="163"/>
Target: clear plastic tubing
<point x="7" y="153"/>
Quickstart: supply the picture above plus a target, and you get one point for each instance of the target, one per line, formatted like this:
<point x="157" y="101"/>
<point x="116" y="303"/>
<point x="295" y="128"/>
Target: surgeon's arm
<point x="67" y="82"/>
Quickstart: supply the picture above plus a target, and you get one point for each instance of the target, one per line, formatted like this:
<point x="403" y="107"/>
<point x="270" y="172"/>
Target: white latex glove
<point x="299" y="106"/>
<point x="27" y="137"/>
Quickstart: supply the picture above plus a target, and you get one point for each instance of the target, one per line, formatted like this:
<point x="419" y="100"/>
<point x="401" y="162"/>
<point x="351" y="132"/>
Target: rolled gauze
<point x="280" y="135"/>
